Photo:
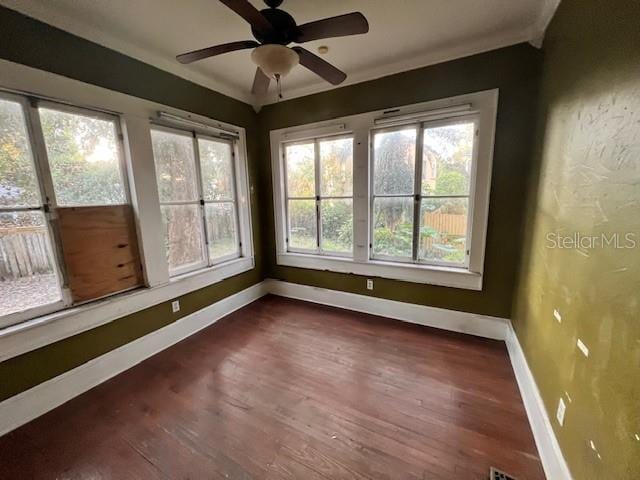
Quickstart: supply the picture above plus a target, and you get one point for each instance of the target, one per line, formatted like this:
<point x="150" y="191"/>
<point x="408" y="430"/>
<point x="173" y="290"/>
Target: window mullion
<point x="316" y="156"/>
<point x="200" y="187"/>
<point x="417" y="190"/>
<point x="47" y="192"/>
<point x="234" y="179"/>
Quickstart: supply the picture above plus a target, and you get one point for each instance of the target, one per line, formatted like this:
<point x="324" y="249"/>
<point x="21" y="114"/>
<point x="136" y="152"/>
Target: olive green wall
<point x="586" y="179"/>
<point x="30" y="42"/>
<point x="515" y="71"/>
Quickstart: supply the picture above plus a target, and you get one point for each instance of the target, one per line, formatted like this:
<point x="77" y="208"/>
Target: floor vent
<point x="495" y="474"/>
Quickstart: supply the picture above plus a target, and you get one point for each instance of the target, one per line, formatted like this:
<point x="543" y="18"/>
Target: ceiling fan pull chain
<point x="279" y="86"/>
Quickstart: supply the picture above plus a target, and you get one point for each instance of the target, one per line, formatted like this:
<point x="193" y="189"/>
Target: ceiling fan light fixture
<point x="275" y="60"/>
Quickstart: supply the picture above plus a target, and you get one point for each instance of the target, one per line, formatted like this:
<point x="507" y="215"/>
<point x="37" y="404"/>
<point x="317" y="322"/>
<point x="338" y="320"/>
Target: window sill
<point x="428" y="274"/>
<point x="37" y="332"/>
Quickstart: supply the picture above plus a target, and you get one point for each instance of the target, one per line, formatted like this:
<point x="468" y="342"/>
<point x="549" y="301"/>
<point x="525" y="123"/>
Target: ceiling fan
<point x="274" y="29"/>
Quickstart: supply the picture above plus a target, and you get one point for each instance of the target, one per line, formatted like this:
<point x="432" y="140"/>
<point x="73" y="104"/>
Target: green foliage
<point x="337" y="225"/>
<point x="18" y="186"/>
<point x="450" y="182"/>
<point x="397" y="242"/>
<point x="83" y="158"/>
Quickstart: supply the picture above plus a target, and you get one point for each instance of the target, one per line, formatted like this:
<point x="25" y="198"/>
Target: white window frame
<point x="195" y="135"/>
<point x="39" y="328"/>
<point x="318" y="198"/>
<point x="482" y="106"/>
<point x="417" y="195"/>
<point x="36" y="140"/>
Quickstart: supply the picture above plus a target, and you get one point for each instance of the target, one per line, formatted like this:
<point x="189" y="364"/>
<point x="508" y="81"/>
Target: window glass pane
<point x="18" y="183"/>
<point x="221" y="229"/>
<point x="336" y="167"/>
<point x="183" y="234"/>
<point x="300" y="170"/>
<point x="337" y="225"/>
<point x="302" y="224"/>
<point x="27" y="274"/>
<point x="394" y="161"/>
<point x="175" y="166"/>
<point x="84" y="158"/>
<point x="443" y="229"/>
<point x="446" y="160"/>
<point x="217" y="169"/>
<point x="393" y="226"/>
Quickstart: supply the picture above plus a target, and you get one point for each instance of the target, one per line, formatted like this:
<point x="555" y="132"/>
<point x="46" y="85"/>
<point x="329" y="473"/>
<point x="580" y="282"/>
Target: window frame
<point x="417" y="196"/>
<point x="483" y="105"/>
<point x="134" y="114"/>
<point x="35" y="137"/>
<point x="317" y="198"/>
<point x="195" y="135"/>
<point x="97" y="114"/>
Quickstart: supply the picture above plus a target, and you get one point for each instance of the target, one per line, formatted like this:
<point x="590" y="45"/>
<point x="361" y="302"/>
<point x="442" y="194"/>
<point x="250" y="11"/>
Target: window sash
<point x="207" y="260"/>
<point x="318" y="198"/>
<point x="417" y="195"/>
<point x="90" y="113"/>
<point x="47" y="198"/>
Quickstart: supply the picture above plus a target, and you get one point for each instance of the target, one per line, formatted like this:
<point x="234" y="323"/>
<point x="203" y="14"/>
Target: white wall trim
<point x="361" y="127"/>
<point x="32" y="403"/>
<point x="463" y="322"/>
<point x="135" y="114"/>
<point x="36" y="401"/>
<point x="38" y="332"/>
<point x="551" y="456"/>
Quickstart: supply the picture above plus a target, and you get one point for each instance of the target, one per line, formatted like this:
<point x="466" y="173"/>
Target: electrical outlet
<point x="583" y="348"/>
<point x="557" y="316"/>
<point x="175" y="306"/>
<point x="369" y="284"/>
<point x="562" y="408"/>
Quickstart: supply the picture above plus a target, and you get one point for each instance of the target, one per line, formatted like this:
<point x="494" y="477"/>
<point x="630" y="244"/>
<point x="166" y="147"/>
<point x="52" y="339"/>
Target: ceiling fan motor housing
<point x="284" y="27"/>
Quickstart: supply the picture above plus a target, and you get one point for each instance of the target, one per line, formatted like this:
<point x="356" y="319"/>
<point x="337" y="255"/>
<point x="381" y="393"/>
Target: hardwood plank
<point x="284" y="389"/>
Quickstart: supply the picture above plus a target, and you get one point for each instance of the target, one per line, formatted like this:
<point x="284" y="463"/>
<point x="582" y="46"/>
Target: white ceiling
<point x="404" y="34"/>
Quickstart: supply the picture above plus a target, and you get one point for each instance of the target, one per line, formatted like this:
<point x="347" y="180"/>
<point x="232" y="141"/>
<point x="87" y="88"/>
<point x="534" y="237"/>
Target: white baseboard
<point x="551" y="456"/>
<point x="36" y="401"/>
<point x="463" y="322"/>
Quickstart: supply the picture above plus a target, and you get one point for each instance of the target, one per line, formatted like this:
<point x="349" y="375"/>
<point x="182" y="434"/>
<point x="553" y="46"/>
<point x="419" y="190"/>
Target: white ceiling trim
<point x="433" y="57"/>
<point x="141" y="54"/>
<point x="533" y="34"/>
<point x="538" y="29"/>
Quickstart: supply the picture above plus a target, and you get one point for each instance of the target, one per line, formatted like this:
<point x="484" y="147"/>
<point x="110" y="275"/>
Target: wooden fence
<point x="445" y="223"/>
<point x="24" y="252"/>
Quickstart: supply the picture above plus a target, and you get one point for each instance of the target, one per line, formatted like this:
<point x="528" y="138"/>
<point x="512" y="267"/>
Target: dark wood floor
<point x="284" y="389"/>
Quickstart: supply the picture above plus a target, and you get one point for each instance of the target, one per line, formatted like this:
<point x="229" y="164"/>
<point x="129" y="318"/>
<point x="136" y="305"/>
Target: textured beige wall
<point x="586" y="179"/>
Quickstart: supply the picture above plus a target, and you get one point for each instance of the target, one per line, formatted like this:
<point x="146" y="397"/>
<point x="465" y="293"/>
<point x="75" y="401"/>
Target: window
<point x="197" y="188"/>
<point x="417" y="204"/>
<point x="319" y="195"/>
<point x="51" y="156"/>
<point x="29" y="276"/>
<point x="84" y="157"/>
<point x="420" y="206"/>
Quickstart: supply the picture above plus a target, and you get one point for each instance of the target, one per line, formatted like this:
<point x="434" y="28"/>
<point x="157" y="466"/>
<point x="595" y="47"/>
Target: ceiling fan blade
<point x="215" y="50"/>
<point x="340" y="26"/>
<point x="251" y="14"/>
<point x="260" y="83"/>
<point x="317" y="65"/>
